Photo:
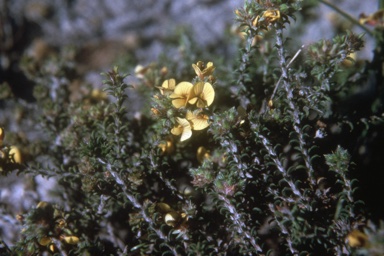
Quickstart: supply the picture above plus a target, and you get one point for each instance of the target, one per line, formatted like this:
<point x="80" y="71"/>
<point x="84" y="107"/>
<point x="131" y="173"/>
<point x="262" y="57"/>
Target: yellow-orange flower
<point x="171" y="217"/>
<point x="202" y="153"/>
<point x="167" y="147"/>
<point x="271" y="15"/>
<point x="202" y="94"/>
<point x="140" y="71"/>
<point x="16" y="154"/>
<point x="181" y="94"/>
<point x="183" y="128"/>
<point x="167" y="86"/>
<point x="70" y="239"/>
<point x="203" y="71"/>
<point x="356" y="238"/>
<point x="198" y="119"/>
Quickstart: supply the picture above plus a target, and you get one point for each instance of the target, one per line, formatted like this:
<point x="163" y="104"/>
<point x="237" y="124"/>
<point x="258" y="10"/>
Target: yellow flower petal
<point x="198" y="119"/>
<point x="43" y="205"/>
<point x="181" y="94"/>
<point x="209" y="69"/>
<point x="177" y="130"/>
<point x="202" y="153"/>
<point x="208" y="94"/>
<point x="197" y="70"/>
<point x="166" y="147"/>
<point x="179" y="103"/>
<point x="184" y="127"/>
<point x="172" y="218"/>
<point x="202" y="94"/>
<point x="271" y="15"/>
<point x="167" y="86"/>
<point x="71" y="239"/>
<point x="16" y="154"/>
<point x="203" y="71"/>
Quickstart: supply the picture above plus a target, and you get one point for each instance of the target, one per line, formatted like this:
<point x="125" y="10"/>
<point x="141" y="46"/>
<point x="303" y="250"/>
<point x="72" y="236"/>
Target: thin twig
<point x="290" y="62"/>
<point x="347" y="16"/>
<point x="137" y="204"/>
<point x="236" y="218"/>
<point x="294" y="109"/>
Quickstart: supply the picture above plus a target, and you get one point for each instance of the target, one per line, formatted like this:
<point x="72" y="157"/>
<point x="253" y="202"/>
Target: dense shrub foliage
<point x="236" y="158"/>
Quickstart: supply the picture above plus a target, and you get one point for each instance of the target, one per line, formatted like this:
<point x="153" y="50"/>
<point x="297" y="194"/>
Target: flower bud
<point x="1" y="135"/>
<point x="172" y="218"/>
<point x="71" y="239"/>
<point x="45" y="241"/>
<point x="163" y="207"/>
<point x="15" y="152"/>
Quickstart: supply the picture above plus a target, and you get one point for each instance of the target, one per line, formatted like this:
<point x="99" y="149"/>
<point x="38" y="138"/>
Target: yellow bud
<point x="270" y="103"/>
<point x="163" y="207"/>
<point x="42" y="204"/>
<point x="155" y="112"/>
<point x="52" y="247"/>
<point x="15" y="152"/>
<point x="71" y="239"/>
<point x="61" y="223"/>
<point x="98" y="95"/>
<point x="255" y="21"/>
<point x="172" y="218"/>
<point x="45" y="241"/>
<point x="357" y="238"/>
<point x="164" y="71"/>
<point x="19" y="217"/>
<point x="202" y="154"/>
<point x="1" y="135"/>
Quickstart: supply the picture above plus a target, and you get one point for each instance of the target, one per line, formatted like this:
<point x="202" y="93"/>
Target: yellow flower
<point x="202" y="153"/>
<point x="70" y="239"/>
<point x="140" y="71"/>
<point x="271" y="15"/>
<point x="98" y="95"/>
<point x="357" y="238"/>
<point x="172" y="218"/>
<point x="167" y="147"/>
<point x="16" y="154"/>
<point x="198" y="119"/>
<point x="203" y="71"/>
<point x="180" y="95"/>
<point x="184" y="128"/>
<point x="167" y="86"/>
<point x="202" y="94"/>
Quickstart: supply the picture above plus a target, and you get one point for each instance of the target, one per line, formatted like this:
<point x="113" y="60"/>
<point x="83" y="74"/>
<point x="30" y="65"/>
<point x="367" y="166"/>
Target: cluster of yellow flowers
<point x="8" y="154"/>
<point x="269" y="16"/>
<point x="195" y="96"/>
<point x="61" y="232"/>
